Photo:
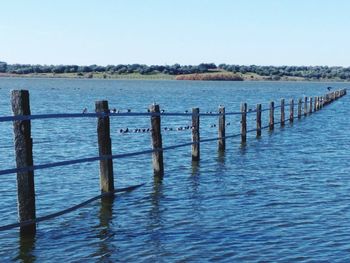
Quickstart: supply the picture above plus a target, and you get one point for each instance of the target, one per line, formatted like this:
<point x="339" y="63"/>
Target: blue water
<point x="284" y="197"/>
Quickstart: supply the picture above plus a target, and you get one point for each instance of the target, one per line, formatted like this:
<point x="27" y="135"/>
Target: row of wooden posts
<point x="24" y="144"/>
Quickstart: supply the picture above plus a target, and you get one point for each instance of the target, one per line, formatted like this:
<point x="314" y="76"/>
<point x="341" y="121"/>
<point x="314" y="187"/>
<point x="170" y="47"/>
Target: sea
<point x="283" y="197"/>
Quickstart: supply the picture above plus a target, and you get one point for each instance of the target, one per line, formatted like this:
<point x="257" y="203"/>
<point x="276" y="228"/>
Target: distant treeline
<point x="309" y="72"/>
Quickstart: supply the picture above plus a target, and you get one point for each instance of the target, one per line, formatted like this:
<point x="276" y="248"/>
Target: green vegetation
<point x="140" y="71"/>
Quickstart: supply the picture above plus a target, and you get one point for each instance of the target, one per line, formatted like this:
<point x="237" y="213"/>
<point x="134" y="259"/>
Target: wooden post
<point x="282" y="113"/>
<point x="299" y="107"/>
<point x="195" y="135"/>
<point x="315" y="104"/>
<point x="24" y="158"/>
<point x="157" y="144"/>
<point x="305" y="106"/>
<point x="310" y="107"/>
<point x="104" y="147"/>
<point x="291" y="110"/>
<point x="272" y="118"/>
<point x="258" y="120"/>
<point x="221" y="141"/>
<point x="243" y="122"/>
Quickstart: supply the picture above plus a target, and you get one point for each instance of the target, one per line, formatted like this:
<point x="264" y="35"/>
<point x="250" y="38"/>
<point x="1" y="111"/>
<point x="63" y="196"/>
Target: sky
<point x="165" y="32"/>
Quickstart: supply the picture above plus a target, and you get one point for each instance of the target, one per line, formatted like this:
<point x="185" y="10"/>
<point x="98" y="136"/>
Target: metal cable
<point x="68" y="210"/>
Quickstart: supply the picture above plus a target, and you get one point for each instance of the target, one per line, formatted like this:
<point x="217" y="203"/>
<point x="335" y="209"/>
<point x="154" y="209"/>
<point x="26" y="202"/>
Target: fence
<point x="24" y="158"/>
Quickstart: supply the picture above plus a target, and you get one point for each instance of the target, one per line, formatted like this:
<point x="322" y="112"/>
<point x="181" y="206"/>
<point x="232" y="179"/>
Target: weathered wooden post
<point x="221" y="141"/>
<point x="315" y="104"/>
<point x="104" y="147"/>
<point x="310" y="107"/>
<point x="282" y="113"/>
<point x="243" y="122"/>
<point x="195" y="135"/>
<point x="272" y="118"/>
<point x="24" y="159"/>
<point x="157" y="144"/>
<point x="300" y="102"/>
<point x="305" y="106"/>
<point x="291" y="110"/>
<point x="258" y="120"/>
<point x="319" y="102"/>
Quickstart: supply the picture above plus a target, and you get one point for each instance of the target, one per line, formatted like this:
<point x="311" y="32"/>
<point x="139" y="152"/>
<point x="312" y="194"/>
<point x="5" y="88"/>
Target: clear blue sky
<point x="261" y="32"/>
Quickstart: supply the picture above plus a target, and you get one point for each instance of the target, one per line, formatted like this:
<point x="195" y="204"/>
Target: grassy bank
<point x="214" y="75"/>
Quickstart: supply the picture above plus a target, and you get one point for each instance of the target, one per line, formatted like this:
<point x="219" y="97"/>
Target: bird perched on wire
<point x="84" y="110"/>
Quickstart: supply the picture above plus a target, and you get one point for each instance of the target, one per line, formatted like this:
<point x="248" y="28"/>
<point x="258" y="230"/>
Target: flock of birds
<point x="181" y="128"/>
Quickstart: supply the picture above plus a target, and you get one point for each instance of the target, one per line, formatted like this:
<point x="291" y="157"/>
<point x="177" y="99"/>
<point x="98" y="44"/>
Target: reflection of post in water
<point x="106" y="212"/>
<point x="155" y="198"/>
<point x="26" y="248"/>
<point x="155" y="222"/>
<point x="221" y="156"/>
<point x="195" y="168"/>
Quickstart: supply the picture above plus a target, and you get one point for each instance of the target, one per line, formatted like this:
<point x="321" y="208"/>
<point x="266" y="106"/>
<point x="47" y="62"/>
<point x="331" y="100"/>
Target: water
<point x="284" y="197"/>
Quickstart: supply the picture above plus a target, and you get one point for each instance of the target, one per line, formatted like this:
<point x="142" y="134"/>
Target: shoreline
<point x="159" y="77"/>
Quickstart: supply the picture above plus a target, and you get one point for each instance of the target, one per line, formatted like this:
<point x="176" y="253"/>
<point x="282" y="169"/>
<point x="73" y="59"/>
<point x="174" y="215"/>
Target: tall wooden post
<point x="221" y="141"/>
<point x="258" y="120"/>
<point x="157" y="144"/>
<point x="104" y="147"/>
<point x="305" y="106"/>
<point x="315" y="104"/>
<point x="291" y="110"/>
<point x="272" y="117"/>
<point x="310" y="107"/>
<point x="24" y="159"/>
<point x="195" y="135"/>
<point x="244" y="122"/>
<point x="282" y="113"/>
<point x="299" y="107"/>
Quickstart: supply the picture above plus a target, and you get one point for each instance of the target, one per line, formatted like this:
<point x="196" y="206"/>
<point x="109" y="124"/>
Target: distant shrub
<point x="210" y="76"/>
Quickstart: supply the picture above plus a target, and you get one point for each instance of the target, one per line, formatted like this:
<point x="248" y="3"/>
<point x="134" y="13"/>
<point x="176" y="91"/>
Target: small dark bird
<point x="84" y="110"/>
<point x="114" y="110"/>
<point x="186" y="111"/>
<point x="162" y="111"/>
<point x="329" y="88"/>
<point x="129" y="110"/>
